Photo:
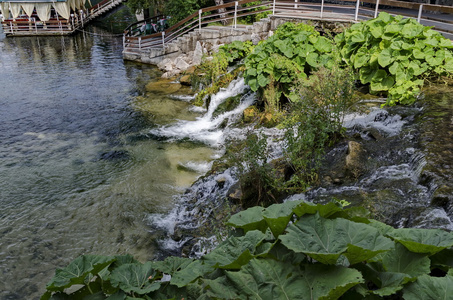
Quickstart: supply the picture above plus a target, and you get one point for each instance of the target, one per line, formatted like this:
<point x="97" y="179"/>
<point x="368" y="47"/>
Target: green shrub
<point x="394" y="55"/>
<point x="315" y="122"/>
<point x="256" y="17"/>
<point x="284" y="60"/>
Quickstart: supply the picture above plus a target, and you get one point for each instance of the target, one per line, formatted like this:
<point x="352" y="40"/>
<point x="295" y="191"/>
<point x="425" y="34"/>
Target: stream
<point x="79" y="173"/>
<point x="98" y="156"/>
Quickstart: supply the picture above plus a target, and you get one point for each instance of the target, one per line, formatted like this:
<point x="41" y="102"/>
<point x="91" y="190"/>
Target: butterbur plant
<point x="293" y="250"/>
<point x="395" y="55"/>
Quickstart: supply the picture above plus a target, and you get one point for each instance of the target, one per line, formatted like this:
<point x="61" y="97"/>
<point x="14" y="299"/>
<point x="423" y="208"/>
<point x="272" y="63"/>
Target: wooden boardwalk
<point x="57" y="25"/>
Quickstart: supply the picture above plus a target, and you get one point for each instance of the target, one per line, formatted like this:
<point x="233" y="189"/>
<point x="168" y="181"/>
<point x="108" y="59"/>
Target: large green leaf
<point x="423" y="240"/>
<point x="323" y="44"/>
<point x="427" y="287"/>
<point x="325" y="240"/>
<point x="385" y="58"/>
<point x="77" y="271"/>
<point x="270" y="279"/>
<point x="284" y="47"/>
<point x="235" y="251"/>
<point x="412" y="30"/>
<point x="391" y="283"/>
<point x="361" y="58"/>
<point x="221" y="288"/>
<point x="263" y="80"/>
<point x="250" y="219"/>
<point x="277" y="216"/>
<point x="172" y="264"/>
<point x="384" y="85"/>
<point x="401" y="260"/>
<point x="324" y="210"/>
<point x="135" y="278"/>
<point x="312" y="59"/>
<point x="194" y="270"/>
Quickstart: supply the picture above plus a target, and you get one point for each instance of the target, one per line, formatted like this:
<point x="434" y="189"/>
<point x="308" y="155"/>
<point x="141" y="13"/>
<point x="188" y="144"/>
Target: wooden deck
<point x="32" y="26"/>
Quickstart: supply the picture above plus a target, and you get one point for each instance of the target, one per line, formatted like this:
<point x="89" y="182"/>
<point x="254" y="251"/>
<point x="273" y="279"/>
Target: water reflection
<point x="78" y="174"/>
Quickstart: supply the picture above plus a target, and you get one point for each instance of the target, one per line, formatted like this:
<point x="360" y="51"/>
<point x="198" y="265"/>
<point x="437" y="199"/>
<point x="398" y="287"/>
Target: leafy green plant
<point x="213" y="70"/>
<point x="257" y="177"/>
<point x="255" y="17"/>
<point x="315" y="123"/>
<point x="394" y="55"/>
<point x="294" y="250"/>
<point x="286" y="58"/>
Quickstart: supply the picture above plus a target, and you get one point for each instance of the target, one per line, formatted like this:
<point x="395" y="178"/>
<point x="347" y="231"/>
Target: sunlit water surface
<point x="78" y="172"/>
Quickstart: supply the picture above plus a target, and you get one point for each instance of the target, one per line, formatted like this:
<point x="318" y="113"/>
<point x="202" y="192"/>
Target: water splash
<point x="206" y="129"/>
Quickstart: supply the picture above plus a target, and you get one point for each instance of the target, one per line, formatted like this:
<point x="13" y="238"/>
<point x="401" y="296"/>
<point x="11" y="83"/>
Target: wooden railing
<point x="24" y="27"/>
<point x="57" y="26"/>
<point x="134" y="42"/>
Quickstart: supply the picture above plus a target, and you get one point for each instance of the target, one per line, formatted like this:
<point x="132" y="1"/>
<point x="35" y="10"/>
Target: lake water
<point x="79" y="173"/>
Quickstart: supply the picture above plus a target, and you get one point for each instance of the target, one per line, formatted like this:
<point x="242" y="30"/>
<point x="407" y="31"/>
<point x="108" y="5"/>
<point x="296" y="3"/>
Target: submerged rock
<point x="164" y="86"/>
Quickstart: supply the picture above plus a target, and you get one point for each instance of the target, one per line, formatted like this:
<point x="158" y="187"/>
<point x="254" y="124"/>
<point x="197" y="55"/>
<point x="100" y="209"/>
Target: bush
<point x="284" y="60"/>
<point x="394" y="55"/>
<point x="315" y="122"/>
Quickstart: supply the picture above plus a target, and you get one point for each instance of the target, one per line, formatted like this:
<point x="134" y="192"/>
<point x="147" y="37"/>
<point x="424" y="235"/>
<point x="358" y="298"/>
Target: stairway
<point x="103" y="7"/>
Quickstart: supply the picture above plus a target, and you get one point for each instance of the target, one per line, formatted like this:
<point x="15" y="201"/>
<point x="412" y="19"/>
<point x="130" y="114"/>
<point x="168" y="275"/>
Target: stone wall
<point x="209" y="37"/>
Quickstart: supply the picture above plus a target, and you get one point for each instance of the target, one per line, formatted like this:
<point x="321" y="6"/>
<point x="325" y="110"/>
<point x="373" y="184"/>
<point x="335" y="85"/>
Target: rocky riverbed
<point x="395" y="161"/>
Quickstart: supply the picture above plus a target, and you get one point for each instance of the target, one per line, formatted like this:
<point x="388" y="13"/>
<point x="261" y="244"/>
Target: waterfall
<point x="206" y="129"/>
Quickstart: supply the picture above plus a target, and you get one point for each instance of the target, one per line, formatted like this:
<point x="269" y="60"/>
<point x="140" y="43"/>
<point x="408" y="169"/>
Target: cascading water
<point x="206" y="128"/>
<point x="202" y="199"/>
<point x="393" y="184"/>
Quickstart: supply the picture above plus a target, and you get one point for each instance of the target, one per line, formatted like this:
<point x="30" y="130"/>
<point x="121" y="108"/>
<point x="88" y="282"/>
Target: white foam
<point x="199" y="167"/>
<point x="206" y="129"/>
<point x="380" y="119"/>
<point x="185" y="98"/>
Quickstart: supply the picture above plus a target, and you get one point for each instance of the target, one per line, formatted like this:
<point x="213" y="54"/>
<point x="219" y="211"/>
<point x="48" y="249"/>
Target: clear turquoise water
<point x="78" y="173"/>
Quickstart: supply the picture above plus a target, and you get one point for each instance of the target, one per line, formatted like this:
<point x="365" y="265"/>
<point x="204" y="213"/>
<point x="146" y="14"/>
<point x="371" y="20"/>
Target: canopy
<point x="12" y="8"/>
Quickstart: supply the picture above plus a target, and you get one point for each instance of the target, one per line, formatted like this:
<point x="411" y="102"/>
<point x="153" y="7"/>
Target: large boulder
<point x="181" y="64"/>
<point x="355" y="159"/>
<point x="197" y="54"/>
<point x="166" y="65"/>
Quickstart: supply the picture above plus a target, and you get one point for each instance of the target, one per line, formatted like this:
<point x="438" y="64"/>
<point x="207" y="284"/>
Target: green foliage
<point x="294" y="250"/>
<point x="286" y="58"/>
<point x="394" y="55"/>
<point x="255" y="17"/>
<point x="257" y="177"/>
<point x="137" y="6"/>
<point x="213" y="71"/>
<point x="315" y="121"/>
